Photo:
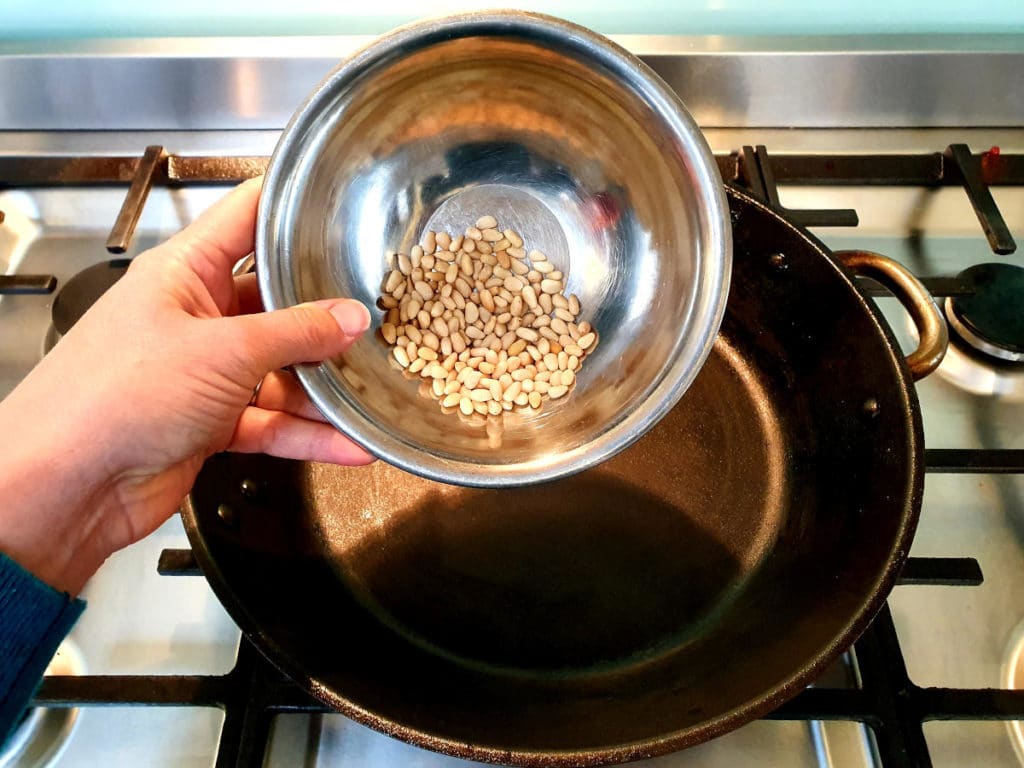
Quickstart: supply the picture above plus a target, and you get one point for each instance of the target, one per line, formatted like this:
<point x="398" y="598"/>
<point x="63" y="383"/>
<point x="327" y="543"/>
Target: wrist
<point x="51" y="506"/>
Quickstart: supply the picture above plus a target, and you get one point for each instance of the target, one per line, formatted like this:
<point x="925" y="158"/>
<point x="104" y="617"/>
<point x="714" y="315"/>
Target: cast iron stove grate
<point x="887" y="700"/>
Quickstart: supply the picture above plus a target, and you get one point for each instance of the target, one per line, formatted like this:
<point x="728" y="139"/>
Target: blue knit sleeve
<point x="34" y="619"/>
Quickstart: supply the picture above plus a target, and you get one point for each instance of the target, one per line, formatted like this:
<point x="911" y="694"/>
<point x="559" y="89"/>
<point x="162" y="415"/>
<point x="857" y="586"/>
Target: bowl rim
<point x="715" y="235"/>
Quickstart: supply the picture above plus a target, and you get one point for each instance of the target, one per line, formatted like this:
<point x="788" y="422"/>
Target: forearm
<point x="52" y="493"/>
<point x="34" y="619"/>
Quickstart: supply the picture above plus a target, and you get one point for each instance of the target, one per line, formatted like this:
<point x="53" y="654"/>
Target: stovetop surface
<point x="141" y="623"/>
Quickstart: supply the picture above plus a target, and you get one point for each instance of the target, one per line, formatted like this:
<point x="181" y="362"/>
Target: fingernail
<point x="352" y="316"/>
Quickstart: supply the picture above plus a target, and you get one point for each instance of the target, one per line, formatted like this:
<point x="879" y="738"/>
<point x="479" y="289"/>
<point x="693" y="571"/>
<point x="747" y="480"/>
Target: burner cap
<point x="991" y="320"/>
<point x="81" y="291"/>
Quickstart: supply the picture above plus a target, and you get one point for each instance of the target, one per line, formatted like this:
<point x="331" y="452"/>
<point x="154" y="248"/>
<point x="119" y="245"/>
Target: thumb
<point x="305" y="333"/>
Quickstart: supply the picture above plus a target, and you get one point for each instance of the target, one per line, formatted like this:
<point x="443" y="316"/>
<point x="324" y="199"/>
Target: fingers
<point x="306" y="333"/>
<point x="281" y="392"/>
<point x="290" y="437"/>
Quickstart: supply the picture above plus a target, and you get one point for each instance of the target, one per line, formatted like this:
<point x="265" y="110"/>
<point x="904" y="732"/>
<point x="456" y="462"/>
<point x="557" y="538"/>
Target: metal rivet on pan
<point x="778" y="262"/>
<point x="250" y="488"/>
<point x="871" y="408"/>
<point x="227" y="514"/>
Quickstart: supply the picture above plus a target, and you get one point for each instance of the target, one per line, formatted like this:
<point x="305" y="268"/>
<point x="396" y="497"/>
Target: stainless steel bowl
<point x="563" y="136"/>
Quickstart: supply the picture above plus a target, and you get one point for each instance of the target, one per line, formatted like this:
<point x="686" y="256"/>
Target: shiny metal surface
<point x="886" y="81"/>
<point x="933" y="336"/>
<point x="565" y="138"/>
<point x="41" y="738"/>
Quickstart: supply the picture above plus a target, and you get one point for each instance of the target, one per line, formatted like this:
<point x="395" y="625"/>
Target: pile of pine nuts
<point x="485" y="324"/>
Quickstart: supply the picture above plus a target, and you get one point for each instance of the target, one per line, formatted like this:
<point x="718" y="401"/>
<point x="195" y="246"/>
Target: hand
<point x="104" y="438"/>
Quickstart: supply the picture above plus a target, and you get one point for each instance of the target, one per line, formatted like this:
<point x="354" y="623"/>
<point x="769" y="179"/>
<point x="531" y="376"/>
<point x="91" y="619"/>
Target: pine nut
<point x="528" y="334"/>
<point x="395" y="278"/>
<point x="424" y="290"/>
<point x="587" y="340"/>
<point x="486" y="222"/>
<point x="429" y="242"/>
<point x="487" y="300"/>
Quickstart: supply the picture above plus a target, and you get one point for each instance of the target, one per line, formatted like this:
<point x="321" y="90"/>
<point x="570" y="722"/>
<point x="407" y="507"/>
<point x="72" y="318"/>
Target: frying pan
<point x="688" y="585"/>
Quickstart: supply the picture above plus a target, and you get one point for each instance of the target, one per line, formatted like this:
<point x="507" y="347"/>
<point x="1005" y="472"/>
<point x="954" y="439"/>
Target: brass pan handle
<point x="931" y="326"/>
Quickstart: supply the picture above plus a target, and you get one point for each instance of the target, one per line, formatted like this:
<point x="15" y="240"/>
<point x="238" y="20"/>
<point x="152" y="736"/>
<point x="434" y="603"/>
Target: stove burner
<point x="990" y="320"/>
<point x="81" y="291"/>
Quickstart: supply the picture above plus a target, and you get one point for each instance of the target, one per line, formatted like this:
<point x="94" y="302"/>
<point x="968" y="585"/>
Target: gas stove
<point x="877" y="145"/>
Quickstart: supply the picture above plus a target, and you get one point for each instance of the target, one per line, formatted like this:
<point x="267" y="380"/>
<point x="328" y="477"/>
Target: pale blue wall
<point x="132" y="18"/>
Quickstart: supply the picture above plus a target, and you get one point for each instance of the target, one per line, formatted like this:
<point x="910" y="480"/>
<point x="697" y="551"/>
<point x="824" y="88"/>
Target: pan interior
<point x="611" y="567"/>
